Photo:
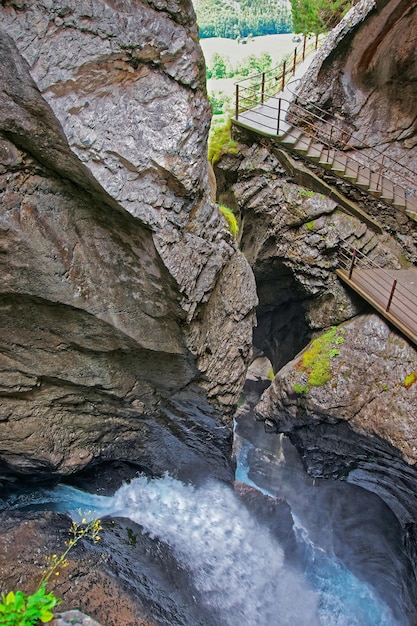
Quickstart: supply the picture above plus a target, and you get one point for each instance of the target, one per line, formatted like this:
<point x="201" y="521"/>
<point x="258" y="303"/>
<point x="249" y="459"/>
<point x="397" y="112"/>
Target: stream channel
<point x="298" y="552"/>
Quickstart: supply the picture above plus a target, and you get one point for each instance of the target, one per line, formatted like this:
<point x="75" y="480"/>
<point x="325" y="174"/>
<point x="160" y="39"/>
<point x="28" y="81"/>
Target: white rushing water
<point x="236" y="565"/>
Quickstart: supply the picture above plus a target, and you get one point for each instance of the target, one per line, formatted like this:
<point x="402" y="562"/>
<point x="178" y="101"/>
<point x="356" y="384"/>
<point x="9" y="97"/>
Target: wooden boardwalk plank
<point x="373" y="286"/>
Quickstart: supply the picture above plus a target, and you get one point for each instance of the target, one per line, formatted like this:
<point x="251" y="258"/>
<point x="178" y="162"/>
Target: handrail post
<point x="279" y="115"/>
<point x="352" y="263"/>
<point x="237" y="102"/>
<point x="329" y="143"/>
<point x="295" y="61"/>
<point x="304" y="47"/>
<point x="394" y="284"/>
<point x="284" y="69"/>
<point x="263" y="88"/>
<point x="379" y="181"/>
<point x="317" y="41"/>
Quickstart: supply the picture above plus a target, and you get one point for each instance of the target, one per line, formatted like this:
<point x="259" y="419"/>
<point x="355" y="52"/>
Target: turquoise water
<point x="236" y="565"/>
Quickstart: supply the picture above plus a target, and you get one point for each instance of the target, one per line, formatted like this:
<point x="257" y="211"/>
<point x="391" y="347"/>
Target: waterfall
<point x="235" y="565"/>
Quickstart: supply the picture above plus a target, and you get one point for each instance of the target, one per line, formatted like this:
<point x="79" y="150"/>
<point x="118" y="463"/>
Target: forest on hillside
<point x="237" y="19"/>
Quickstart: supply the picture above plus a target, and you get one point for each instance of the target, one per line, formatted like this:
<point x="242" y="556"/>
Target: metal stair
<point x="340" y="163"/>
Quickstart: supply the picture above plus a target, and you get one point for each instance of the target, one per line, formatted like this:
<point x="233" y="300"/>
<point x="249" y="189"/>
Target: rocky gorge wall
<point x="365" y="75"/>
<point x="118" y="310"/>
<point x="357" y="420"/>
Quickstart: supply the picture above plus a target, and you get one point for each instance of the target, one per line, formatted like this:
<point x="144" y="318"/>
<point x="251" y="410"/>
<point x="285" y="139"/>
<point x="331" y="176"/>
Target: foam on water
<point x="236" y="565"/>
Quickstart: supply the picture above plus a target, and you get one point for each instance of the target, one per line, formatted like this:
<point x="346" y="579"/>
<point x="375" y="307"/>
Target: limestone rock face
<point x="366" y="75"/>
<point x="114" y="262"/>
<point x="290" y="236"/>
<point x="360" y="425"/>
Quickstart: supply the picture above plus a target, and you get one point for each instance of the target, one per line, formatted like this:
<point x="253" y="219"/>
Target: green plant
<point x="271" y="374"/>
<point x="410" y="379"/>
<point x="310" y="225"/>
<point x="131" y="537"/>
<point x="220" y="102"/>
<point x="230" y="219"/>
<point x="318" y="16"/>
<point x="220" y="141"/>
<point x="305" y="193"/>
<point x="315" y="362"/>
<point x="298" y="388"/>
<point x="20" y="609"/>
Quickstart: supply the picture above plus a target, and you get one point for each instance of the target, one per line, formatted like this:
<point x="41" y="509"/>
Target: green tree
<point x="218" y="67"/>
<point x="318" y="16"/>
<point x="217" y="18"/>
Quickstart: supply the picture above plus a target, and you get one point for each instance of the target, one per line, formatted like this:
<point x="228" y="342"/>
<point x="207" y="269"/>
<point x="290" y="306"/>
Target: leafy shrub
<point x="230" y="219"/>
<point x="20" y="609"/>
<point x="220" y="102"/>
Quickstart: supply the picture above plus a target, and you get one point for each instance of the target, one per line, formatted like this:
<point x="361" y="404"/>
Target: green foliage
<point x="318" y="16"/>
<point x="242" y="18"/>
<point x="310" y="225"/>
<point x="220" y="141"/>
<point x="131" y="537"/>
<point x="20" y="609"/>
<point x="230" y="219"/>
<point x="315" y="362"/>
<point x="218" y="67"/>
<point x="305" y="193"/>
<point x="271" y="374"/>
<point x="410" y="379"/>
<point x="298" y="388"/>
<point x="220" y="102"/>
<point x="221" y="67"/>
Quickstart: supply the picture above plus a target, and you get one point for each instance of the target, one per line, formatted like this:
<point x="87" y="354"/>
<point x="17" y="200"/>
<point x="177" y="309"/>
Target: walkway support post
<point x="294" y="67"/>
<point x="279" y="115"/>
<point x="352" y="263"/>
<point x="304" y="47"/>
<point x="317" y="41"/>
<point x="379" y="181"/>
<point x="237" y="102"/>
<point x="263" y="88"/>
<point x="391" y="295"/>
<point x="284" y="69"/>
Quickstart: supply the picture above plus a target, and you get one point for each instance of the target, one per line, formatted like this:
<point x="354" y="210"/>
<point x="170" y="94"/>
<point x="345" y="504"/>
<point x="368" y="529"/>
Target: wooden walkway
<point x="270" y="119"/>
<point x="393" y="293"/>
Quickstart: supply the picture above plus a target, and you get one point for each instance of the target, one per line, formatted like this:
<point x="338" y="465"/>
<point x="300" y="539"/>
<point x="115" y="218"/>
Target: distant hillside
<point x="236" y="19"/>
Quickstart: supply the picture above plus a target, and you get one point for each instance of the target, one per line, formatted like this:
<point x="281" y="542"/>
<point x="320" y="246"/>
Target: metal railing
<point x="378" y="177"/>
<point x="347" y="140"/>
<point x="385" y="290"/>
<point x="394" y="182"/>
<point x="270" y="83"/>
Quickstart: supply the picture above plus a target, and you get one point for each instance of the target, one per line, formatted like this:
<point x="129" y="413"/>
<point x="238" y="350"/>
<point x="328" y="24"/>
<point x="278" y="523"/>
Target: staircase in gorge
<point x="265" y="104"/>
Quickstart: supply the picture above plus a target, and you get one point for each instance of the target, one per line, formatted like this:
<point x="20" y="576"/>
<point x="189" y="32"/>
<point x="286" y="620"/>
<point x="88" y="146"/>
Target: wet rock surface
<point x="359" y="424"/>
<point x="125" y="579"/>
<point x="365" y="75"/>
<point x="117" y="286"/>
